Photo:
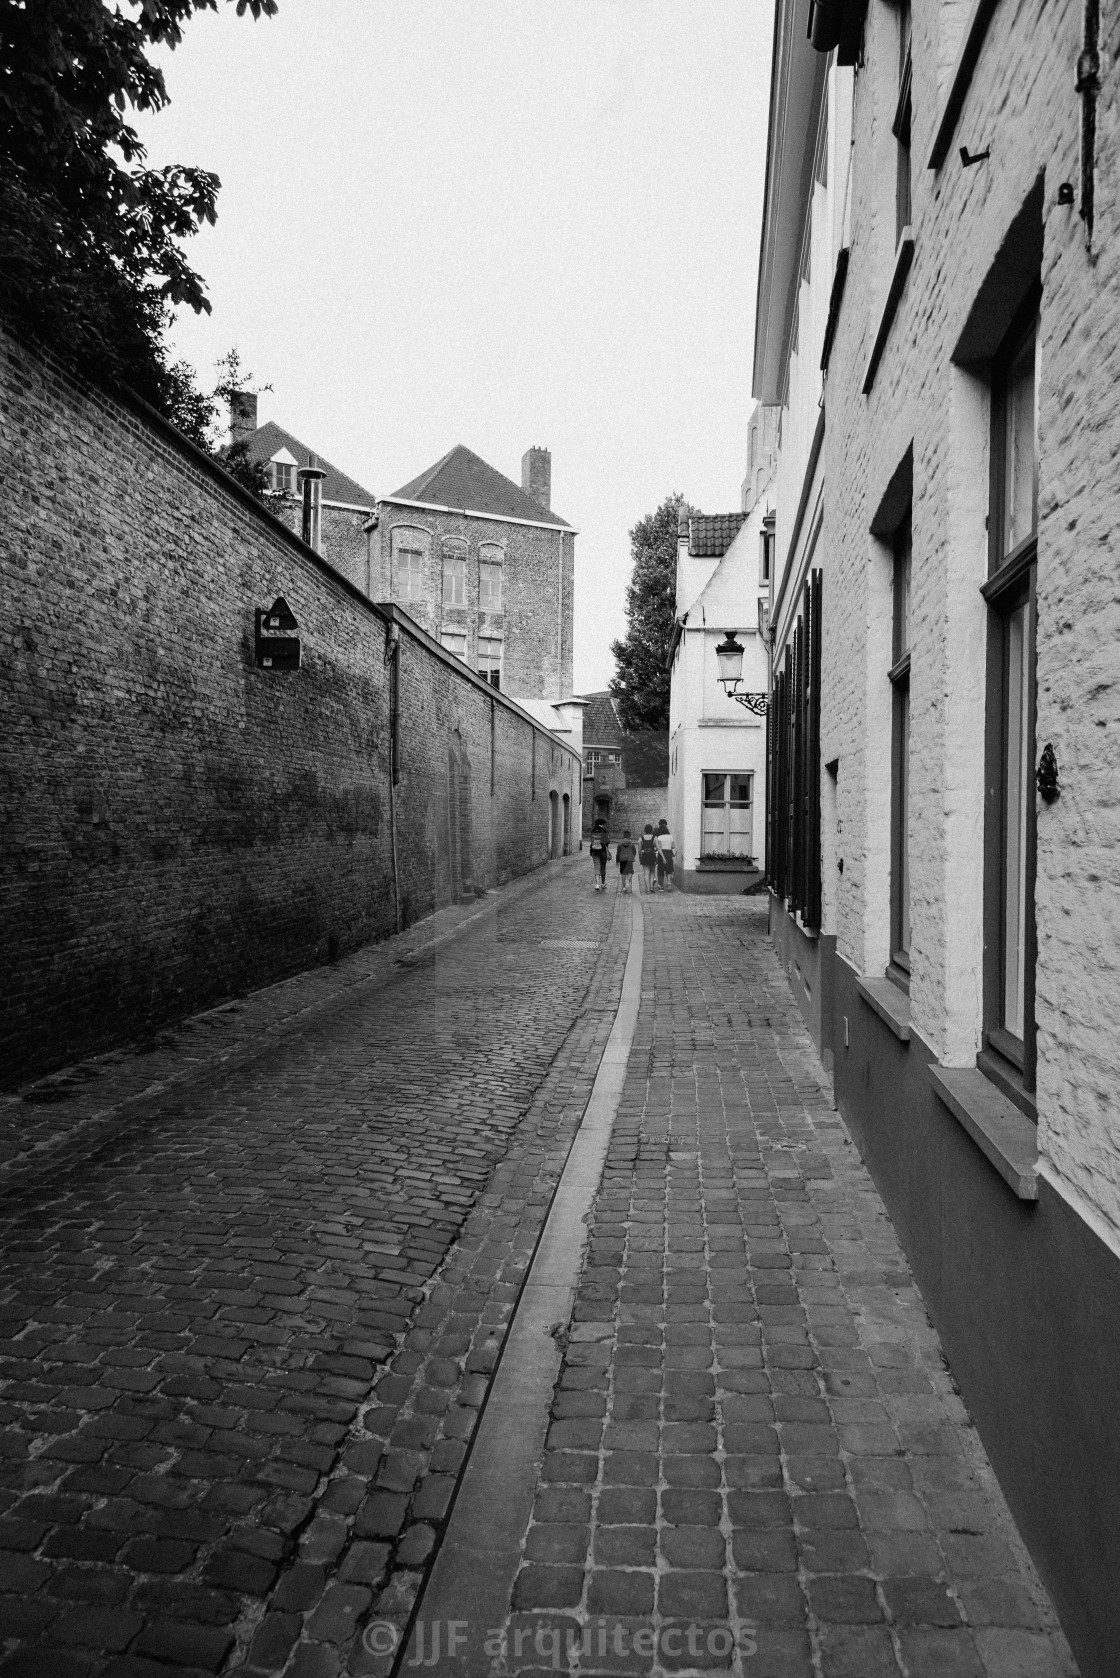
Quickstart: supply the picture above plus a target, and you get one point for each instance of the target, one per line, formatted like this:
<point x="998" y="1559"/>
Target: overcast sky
<point x="498" y="223"/>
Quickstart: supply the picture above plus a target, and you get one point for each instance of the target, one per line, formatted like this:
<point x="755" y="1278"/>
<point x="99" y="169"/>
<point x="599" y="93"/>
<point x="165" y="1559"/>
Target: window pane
<point x="714" y="789"/>
<point x="903" y="912"/>
<point x="1017" y="790"/>
<point x="1020" y="450"/>
<point x="903" y="571"/>
<point x="489" y="586"/>
<point x="740" y="789"/>
<point x="454" y="580"/>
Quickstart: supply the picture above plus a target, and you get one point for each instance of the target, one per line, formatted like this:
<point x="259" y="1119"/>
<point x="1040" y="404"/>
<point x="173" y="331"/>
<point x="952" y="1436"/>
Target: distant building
<point x="486" y="566"/>
<point x="346" y="507"/>
<point x="717" y="746"/>
<point x="625" y="772"/>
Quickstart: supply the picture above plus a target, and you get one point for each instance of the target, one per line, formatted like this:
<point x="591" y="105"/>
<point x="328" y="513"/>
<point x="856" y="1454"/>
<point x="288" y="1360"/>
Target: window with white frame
<point x="490" y="659"/>
<point x="490" y="558"/>
<point x="1010" y="938"/>
<point x="283" y="476"/>
<point x="726" y="825"/>
<point x="902" y="122"/>
<point x="410" y="548"/>
<point x="596" y="755"/>
<point x="454" y="575"/>
<point x="455" y="641"/>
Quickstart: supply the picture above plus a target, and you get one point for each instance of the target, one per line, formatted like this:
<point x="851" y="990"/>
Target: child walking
<point x="647" y="855"/>
<point x="625" y="853"/>
<point x="600" y="854"/>
<point x="663" y="843"/>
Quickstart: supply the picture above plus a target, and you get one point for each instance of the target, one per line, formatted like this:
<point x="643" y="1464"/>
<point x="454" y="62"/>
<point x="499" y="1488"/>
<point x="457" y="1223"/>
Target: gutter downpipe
<point x="393" y="659"/>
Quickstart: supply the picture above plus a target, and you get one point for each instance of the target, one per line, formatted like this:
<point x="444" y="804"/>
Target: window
<point x="1009" y="931"/>
<point x="490" y="659"/>
<point x="900" y="750"/>
<point x="766" y="553"/>
<point x="455" y="577"/>
<point x="726" y="815"/>
<point x="595" y="755"/>
<point x="902" y="120"/>
<point x="455" y="641"/>
<point x="410" y="549"/>
<point x="490" y="558"/>
<point x="283" y="477"/>
<point x="793" y="744"/>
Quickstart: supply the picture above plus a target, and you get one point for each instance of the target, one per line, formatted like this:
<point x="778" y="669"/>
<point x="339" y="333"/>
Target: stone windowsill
<point x="1004" y="1135"/>
<point x="891" y="1004"/>
<point x="903" y="257"/>
<point x="706" y="865"/>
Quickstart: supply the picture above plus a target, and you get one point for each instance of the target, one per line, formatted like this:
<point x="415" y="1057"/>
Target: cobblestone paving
<point x="200" y="1469"/>
<point x="757" y="1459"/>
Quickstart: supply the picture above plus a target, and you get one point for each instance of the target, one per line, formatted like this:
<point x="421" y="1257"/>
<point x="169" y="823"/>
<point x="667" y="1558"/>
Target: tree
<point x="641" y="683"/>
<point x="90" y="254"/>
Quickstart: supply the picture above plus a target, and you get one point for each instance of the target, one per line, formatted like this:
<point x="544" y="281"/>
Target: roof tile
<point x="711" y="534"/>
<point x="463" y="479"/>
<point x="268" y="439"/>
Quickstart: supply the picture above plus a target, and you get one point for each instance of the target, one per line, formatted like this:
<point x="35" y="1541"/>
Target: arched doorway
<point x="566" y="848"/>
<point x="555" y="836"/>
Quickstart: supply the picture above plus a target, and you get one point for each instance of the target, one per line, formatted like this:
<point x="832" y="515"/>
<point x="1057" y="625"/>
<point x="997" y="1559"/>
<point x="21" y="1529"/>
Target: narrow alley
<point x="338" y="1340"/>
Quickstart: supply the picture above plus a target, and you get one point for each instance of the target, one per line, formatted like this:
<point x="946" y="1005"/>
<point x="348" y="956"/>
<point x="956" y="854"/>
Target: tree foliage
<point x="641" y="682"/>
<point x="91" y="261"/>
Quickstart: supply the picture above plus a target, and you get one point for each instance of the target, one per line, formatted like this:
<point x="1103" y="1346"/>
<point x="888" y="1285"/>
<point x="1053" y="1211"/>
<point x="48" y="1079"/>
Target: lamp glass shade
<point x="729" y="656"/>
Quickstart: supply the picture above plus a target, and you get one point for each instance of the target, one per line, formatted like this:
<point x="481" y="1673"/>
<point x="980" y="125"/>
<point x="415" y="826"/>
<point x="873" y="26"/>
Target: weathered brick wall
<point x="534" y="620"/>
<point x="176" y="825"/>
<point x="1022" y="103"/>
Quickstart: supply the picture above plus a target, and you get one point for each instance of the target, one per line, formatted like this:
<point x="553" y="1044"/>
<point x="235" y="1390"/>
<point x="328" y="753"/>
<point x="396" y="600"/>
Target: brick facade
<point x="538" y="580"/>
<point x="179" y="825"/>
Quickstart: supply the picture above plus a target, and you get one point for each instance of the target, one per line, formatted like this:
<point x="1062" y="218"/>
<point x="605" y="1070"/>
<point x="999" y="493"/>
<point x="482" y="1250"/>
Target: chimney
<point x="536" y="476"/>
<point x="242" y="415"/>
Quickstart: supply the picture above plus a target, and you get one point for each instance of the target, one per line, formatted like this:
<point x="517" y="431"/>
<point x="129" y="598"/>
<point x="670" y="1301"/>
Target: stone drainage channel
<point x="471" y="1581"/>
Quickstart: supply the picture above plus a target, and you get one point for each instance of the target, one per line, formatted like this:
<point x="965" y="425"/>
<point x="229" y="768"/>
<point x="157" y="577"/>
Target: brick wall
<point x="175" y="824"/>
<point x="536" y="614"/>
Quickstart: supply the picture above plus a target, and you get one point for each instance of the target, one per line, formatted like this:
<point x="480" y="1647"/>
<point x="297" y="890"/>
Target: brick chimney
<point x="536" y="476"/>
<point x="242" y="415"/>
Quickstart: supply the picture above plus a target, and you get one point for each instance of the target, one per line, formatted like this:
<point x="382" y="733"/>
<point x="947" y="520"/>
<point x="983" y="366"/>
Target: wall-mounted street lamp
<point x="729" y="655"/>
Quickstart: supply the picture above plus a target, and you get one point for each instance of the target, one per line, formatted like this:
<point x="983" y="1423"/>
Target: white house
<point x="717" y="743"/>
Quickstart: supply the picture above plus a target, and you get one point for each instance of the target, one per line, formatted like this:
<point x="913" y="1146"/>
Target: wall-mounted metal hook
<point x="968" y="158"/>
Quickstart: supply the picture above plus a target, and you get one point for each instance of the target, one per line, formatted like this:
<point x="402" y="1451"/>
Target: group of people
<point x="653" y="853"/>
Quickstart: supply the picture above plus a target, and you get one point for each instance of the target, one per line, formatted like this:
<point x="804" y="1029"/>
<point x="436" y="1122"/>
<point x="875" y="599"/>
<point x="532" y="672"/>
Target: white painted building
<point x="717" y="745"/>
<point x="939" y="323"/>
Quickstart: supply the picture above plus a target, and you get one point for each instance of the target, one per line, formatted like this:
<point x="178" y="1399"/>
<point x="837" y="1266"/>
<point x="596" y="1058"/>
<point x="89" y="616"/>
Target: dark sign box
<point x="277" y="643"/>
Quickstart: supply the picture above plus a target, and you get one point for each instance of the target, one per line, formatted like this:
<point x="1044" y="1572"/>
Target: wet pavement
<point x="259" y="1286"/>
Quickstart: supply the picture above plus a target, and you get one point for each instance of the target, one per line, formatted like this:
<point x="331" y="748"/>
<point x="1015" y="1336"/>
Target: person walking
<point x="663" y="844"/>
<point x="600" y="854"/>
<point x="647" y="856"/>
<point x="625" y="852"/>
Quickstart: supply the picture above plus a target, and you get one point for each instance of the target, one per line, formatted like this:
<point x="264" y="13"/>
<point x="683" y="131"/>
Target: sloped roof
<point x="463" y="479"/>
<point x="269" y="438"/>
<point x="601" y="726"/>
<point x="711" y="534"/>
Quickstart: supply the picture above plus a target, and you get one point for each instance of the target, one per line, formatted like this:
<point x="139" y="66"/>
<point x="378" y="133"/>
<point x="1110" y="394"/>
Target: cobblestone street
<point x="256" y="1285"/>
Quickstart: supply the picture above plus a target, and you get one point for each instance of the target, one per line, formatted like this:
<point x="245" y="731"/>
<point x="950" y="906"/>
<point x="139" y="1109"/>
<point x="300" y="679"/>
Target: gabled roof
<point x="269" y="439"/>
<point x="601" y="726"/>
<point x="462" y="479"/>
<point x="711" y="534"/>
